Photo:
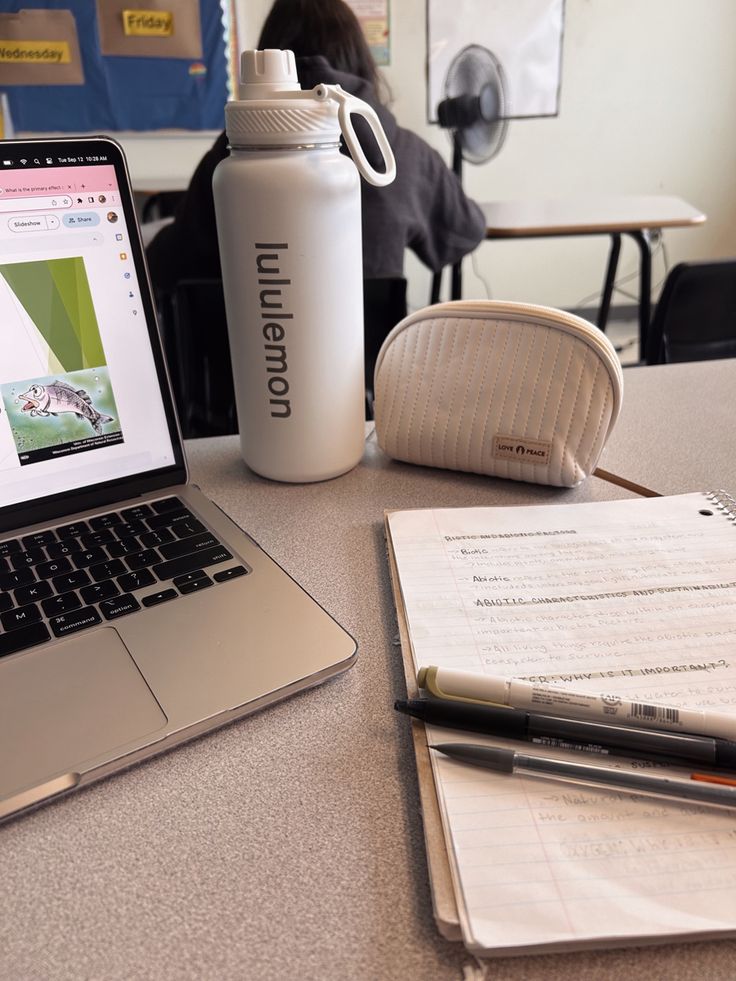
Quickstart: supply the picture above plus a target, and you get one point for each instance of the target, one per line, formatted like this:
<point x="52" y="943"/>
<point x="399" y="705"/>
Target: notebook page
<point x="633" y="597"/>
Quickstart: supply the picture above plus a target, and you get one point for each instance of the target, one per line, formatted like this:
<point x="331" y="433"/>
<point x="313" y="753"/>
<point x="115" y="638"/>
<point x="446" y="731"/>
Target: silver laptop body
<point x="134" y="614"/>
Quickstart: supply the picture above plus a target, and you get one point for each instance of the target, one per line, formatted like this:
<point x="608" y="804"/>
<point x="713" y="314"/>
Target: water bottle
<point x="287" y="204"/>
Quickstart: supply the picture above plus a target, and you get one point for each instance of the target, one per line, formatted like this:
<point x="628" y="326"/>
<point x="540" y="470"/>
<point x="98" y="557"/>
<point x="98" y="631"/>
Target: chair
<point x="384" y="305"/>
<point x="161" y="204"/>
<point x="695" y="318"/>
<point x="194" y="333"/>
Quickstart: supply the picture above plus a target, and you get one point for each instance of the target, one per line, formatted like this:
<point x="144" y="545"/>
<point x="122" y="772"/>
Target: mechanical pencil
<point x="507" y="761"/>
<point x="553" y="699"/>
<point x="679" y="749"/>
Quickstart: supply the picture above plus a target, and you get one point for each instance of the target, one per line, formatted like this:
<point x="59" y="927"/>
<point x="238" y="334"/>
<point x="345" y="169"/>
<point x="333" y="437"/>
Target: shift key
<point x="188" y="563"/>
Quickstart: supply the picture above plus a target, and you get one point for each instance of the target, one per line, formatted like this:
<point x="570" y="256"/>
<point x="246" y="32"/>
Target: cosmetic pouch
<point x="500" y="388"/>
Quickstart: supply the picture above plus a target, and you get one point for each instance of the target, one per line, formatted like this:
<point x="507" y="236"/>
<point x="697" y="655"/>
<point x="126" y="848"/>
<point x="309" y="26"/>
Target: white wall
<point x="646" y="107"/>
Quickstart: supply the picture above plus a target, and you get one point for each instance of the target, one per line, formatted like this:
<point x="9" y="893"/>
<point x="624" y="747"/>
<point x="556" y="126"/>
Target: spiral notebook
<point x="632" y="597"/>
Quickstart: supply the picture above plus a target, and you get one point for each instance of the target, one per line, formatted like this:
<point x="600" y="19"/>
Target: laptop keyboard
<point x="73" y="576"/>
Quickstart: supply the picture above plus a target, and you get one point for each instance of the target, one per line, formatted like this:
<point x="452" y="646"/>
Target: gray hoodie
<point x="424" y="209"/>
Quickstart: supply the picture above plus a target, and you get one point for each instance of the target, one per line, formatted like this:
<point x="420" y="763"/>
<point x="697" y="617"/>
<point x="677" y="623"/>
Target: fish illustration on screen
<point x="58" y="397"/>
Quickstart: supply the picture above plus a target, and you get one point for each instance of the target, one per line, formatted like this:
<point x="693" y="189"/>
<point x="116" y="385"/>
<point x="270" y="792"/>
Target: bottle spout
<point x="265" y="72"/>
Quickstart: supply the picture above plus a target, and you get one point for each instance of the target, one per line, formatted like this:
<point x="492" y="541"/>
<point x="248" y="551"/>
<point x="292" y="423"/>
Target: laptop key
<point x="73" y="530"/>
<point x="71" y="581"/>
<point x="20" y="616"/>
<point x="197" y="584"/>
<point x="183" y="529"/>
<point x="153" y="599"/>
<point x="167" y="504"/>
<point x="142" y="560"/>
<point x="47" y="570"/>
<point x="4" y="564"/>
<point x="137" y="512"/>
<point x="168" y="518"/>
<point x="95" y="538"/>
<point x="225" y="574"/>
<point x="6" y="602"/>
<point x="130" y="528"/>
<point x="9" y="546"/>
<point x="107" y="570"/>
<point x="23" y="637"/>
<point x="33" y="593"/>
<point x="113" y="608"/>
<point x="188" y="563"/>
<point x="63" y="603"/>
<point x="57" y="550"/>
<point x="23" y="559"/>
<point x="126" y="546"/>
<point x="185" y="546"/>
<point x="152" y="539"/>
<point x="99" y="591"/>
<point x="136" y="580"/>
<point x="20" y="577"/>
<point x="69" y="623"/>
<point x="104" y="521"/>
<point x="90" y="556"/>
<point x="189" y="577"/>
<point x="39" y="538"/>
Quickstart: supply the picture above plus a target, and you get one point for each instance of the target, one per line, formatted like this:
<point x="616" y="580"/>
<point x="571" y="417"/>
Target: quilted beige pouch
<point x="500" y="388"/>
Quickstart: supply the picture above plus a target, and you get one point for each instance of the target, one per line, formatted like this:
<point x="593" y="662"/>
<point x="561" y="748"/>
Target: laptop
<point x="134" y="614"/>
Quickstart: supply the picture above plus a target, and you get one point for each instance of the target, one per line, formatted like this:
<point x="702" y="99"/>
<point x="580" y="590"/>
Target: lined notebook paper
<point x="636" y="597"/>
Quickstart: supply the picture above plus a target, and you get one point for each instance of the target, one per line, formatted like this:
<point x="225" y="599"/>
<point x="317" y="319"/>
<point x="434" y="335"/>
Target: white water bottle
<point x="287" y="205"/>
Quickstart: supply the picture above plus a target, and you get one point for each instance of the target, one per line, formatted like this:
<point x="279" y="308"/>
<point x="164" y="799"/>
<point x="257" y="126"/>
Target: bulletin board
<point x="523" y="36"/>
<point x="80" y="66"/>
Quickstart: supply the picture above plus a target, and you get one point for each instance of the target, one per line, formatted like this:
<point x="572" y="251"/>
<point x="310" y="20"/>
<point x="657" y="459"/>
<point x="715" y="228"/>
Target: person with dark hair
<point x="424" y="209"/>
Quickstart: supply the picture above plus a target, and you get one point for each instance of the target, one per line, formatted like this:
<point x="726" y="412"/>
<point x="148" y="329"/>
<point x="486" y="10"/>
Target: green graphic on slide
<point x="55" y="294"/>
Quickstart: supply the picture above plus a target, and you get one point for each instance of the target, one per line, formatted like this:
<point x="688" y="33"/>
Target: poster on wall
<point x="373" y="16"/>
<point x="521" y="39"/>
<point x="114" y="65"/>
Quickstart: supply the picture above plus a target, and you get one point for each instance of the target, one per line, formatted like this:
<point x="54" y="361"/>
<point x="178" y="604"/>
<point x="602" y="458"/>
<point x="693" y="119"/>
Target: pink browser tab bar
<point x="56" y="180"/>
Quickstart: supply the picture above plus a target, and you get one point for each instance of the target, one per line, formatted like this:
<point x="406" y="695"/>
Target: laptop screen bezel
<point x="54" y="506"/>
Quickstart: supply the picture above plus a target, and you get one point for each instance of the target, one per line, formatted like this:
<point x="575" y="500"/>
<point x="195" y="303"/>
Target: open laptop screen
<point x="81" y="400"/>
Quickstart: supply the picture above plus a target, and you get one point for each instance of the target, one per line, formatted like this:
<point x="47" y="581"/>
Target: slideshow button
<point x="33" y="223"/>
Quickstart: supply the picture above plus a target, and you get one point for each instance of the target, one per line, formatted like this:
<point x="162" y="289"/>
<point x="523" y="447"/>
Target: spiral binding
<point x="725" y="503"/>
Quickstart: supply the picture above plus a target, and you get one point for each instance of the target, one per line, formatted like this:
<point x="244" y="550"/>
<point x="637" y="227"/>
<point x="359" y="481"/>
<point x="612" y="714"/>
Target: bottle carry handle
<point x="347" y="106"/>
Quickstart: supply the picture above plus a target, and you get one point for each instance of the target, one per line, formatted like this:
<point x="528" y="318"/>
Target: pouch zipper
<point x="511" y="310"/>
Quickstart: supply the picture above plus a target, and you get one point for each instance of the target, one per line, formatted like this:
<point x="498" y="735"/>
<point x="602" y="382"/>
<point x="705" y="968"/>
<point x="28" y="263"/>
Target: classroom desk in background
<point x="290" y="844"/>
<point x="637" y="216"/>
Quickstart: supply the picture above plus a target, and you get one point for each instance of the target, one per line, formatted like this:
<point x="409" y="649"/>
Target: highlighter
<point x="559" y="700"/>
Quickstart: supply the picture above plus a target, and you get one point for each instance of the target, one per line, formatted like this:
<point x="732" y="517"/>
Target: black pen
<point x="590" y="737"/>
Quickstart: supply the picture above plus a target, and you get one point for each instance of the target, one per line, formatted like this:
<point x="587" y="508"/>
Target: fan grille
<point x="473" y="70"/>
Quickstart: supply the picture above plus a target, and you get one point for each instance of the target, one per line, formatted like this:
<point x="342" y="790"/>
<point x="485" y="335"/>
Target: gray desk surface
<point x="289" y="845"/>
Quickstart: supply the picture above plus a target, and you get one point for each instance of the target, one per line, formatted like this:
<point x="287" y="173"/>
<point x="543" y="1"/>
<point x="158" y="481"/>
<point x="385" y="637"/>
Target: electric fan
<point x="474" y="109"/>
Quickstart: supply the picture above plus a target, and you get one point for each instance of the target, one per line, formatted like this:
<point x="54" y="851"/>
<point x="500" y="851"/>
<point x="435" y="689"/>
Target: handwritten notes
<point x="635" y="597"/>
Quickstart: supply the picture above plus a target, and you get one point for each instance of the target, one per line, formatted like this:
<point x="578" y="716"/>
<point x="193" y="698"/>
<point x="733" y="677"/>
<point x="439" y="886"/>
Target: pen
<point x="469" y="686"/>
<point x="507" y="761"/>
<point x="591" y="737"/>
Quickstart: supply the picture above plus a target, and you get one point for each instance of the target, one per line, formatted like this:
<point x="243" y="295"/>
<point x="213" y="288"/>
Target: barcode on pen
<point x="654" y="713"/>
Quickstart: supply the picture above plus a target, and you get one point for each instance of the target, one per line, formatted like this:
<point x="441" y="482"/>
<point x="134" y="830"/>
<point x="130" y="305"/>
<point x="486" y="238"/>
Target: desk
<point x="289" y="845"/>
<point x="632" y="215"/>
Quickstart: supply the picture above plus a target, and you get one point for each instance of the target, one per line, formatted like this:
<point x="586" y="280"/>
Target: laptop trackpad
<point x="63" y="706"/>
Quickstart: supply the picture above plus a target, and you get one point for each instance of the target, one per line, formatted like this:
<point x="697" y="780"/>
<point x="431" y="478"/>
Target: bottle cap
<point x="264" y="72"/>
<point x="273" y="109"/>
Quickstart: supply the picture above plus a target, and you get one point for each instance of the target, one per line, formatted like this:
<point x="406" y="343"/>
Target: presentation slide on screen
<point x="59" y="398"/>
<point x="80" y="400"/>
